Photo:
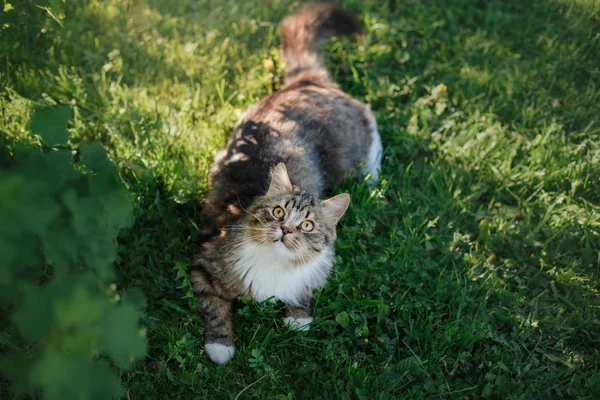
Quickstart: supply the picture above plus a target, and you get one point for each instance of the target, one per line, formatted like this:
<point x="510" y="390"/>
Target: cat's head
<point x="298" y="225"/>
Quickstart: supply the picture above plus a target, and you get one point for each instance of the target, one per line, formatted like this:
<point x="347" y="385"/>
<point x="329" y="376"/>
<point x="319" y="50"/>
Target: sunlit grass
<point x="470" y="271"/>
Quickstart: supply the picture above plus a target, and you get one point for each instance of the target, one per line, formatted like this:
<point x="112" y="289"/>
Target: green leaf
<point x="34" y="315"/>
<point x="134" y="298"/>
<point x="62" y="376"/>
<point x="16" y="366"/>
<point x="487" y="391"/>
<point x="343" y="319"/>
<point x="121" y="336"/>
<point x="484" y="231"/>
<point x="407" y="364"/>
<point x="382" y="310"/>
<point x="93" y="156"/>
<point x="57" y="250"/>
<point x="8" y="253"/>
<point x="51" y="124"/>
<point x="77" y="315"/>
<point x="363" y="331"/>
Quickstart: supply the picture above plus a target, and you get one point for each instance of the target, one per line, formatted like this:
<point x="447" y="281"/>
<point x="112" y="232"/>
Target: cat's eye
<point x="307" y="226"/>
<point x="278" y="212"/>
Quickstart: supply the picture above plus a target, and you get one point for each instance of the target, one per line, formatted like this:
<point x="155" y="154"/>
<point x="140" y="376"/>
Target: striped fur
<point x="271" y="235"/>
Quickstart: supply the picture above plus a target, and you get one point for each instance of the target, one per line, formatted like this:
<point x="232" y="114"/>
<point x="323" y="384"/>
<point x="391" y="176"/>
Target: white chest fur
<point x="266" y="273"/>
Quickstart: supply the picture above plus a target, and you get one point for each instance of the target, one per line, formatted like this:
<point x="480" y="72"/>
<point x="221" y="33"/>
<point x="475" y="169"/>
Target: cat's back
<point x="321" y="119"/>
<point x="319" y="132"/>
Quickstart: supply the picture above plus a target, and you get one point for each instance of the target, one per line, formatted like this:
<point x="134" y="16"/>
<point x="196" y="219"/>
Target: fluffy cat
<point x="274" y="239"/>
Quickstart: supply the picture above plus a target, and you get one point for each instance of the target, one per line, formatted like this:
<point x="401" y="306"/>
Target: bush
<point x="59" y="221"/>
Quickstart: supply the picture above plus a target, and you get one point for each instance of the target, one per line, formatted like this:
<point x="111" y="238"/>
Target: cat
<point x="273" y="238"/>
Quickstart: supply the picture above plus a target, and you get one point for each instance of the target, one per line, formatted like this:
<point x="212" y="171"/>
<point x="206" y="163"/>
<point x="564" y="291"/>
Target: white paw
<point x="298" y="324"/>
<point x="219" y="353"/>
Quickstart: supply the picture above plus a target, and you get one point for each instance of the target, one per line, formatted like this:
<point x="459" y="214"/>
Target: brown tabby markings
<point x="302" y="139"/>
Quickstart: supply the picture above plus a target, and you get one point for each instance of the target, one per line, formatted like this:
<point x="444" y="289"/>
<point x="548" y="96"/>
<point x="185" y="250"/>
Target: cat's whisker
<point x="247" y="239"/>
<point x="302" y="251"/>
<point x="234" y="244"/>
<point x="255" y="238"/>
<point x="258" y="218"/>
<point x="259" y="242"/>
<point x="237" y="245"/>
<point x="301" y="256"/>
<point x="297" y="250"/>
<point x="247" y="228"/>
<point x="239" y="226"/>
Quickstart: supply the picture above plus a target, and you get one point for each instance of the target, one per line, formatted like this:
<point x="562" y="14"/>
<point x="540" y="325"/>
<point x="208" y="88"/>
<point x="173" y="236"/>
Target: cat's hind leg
<point x="372" y="164"/>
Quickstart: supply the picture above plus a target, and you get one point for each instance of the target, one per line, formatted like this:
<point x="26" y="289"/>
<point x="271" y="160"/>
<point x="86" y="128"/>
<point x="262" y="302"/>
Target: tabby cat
<point x="273" y="237"/>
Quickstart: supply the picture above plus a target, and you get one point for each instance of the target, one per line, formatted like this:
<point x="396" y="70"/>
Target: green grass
<point x="470" y="271"/>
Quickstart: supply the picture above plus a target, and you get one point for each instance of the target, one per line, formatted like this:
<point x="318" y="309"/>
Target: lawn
<point x="471" y="270"/>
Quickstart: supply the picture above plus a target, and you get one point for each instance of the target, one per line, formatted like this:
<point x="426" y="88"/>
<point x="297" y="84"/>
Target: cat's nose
<point x="285" y="230"/>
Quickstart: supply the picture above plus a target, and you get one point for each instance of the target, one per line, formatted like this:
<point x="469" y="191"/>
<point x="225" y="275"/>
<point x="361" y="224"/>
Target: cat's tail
<point x="304" y="32"/>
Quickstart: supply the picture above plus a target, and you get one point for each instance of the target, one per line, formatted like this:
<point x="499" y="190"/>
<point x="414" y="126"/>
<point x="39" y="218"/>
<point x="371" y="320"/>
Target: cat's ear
<point x="280" y="181"/>
<point x="336" y="206"/>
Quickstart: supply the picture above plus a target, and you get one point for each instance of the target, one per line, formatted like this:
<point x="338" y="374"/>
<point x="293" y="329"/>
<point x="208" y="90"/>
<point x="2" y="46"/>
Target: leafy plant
<point x="185" y="284"/>
<point x="257" y="362"/>
<point x="57" y="248"/>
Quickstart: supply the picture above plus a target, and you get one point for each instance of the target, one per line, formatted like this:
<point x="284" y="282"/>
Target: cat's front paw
<point x="219" y="353"/>
<point x="298" y="324"/>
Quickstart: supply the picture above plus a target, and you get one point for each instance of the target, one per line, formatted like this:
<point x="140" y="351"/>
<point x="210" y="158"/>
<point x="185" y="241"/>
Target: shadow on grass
<point x="533" y="280"/>
<point x="453" y="277"/>
<point x="472" y="304"/>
